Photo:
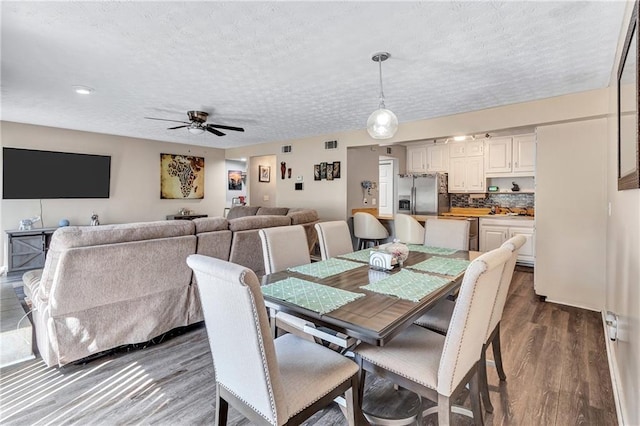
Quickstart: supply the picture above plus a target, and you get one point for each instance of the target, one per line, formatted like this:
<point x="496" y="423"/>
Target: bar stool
<point x="368" y="229"/>
<point x="408" y="230"/>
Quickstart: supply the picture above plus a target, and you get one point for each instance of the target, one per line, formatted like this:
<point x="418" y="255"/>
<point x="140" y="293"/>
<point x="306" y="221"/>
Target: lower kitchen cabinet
<point x="494" y="232"/>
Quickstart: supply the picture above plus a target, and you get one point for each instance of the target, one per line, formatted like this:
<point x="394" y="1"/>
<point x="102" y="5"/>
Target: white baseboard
<point x="613" y="370"/>
<point x="588" y="308"/>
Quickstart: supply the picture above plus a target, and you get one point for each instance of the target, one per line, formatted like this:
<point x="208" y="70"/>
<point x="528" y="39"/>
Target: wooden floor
<point x="554" y="356"/>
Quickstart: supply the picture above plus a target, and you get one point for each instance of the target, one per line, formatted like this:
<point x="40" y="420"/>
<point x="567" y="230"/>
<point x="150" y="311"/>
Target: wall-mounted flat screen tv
<point x="33" y="174"/>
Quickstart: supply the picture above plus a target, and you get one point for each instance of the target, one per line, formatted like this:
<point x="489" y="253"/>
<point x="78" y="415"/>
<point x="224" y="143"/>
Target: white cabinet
<point x="437" y="158"/>
<point x="510" y="156"/>
<point x="524" y="153"/>
<point x="417" y="159"/>
<point x="466" y="167"/>
<point x="494" y="232"/>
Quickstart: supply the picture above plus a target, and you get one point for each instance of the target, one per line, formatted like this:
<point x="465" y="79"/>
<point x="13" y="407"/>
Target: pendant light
<point x="382" y="123"/>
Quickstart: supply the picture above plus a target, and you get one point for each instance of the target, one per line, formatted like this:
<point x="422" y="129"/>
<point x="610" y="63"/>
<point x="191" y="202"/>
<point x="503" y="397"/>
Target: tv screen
<point x="32" y="174"/>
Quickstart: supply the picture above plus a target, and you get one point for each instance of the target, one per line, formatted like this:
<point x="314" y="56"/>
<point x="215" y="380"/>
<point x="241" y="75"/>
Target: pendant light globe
<point x="382" y="123"/>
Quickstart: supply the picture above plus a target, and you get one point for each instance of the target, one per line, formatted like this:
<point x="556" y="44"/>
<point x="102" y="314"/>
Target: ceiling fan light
<point x="382" y="124"/>
<point x="196" y="130"/>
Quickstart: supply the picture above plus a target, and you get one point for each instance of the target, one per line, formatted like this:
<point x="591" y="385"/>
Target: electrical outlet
<point x="373" y="201"/>
<point x="265" y="198"/>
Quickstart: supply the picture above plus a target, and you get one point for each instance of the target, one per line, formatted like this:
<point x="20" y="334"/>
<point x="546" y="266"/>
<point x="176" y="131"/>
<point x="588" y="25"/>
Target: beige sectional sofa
<point x="113" y="285"/>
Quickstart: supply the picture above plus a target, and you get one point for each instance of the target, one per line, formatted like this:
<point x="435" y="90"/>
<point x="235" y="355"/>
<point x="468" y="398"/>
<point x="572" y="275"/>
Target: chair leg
<point x="483" y="381"/>
<point x="222" y="409"/>
<point x="474" y="394"/>
<point x="354" y="410"/>
<point x="497" y="354"/>
<point x="444" y="410"/>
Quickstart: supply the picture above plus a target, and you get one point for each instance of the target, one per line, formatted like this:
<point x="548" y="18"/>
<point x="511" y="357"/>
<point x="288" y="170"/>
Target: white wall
<point x="623" y="268"/>
<point x="263" y="193"/>
<point x="571" y="213"/>
<point x="135" y="179"/>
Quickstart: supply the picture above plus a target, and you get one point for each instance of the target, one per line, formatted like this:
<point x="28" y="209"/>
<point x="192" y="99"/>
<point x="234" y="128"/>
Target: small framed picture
<point x="264" y="174"/>
<point x="336" y="170"/>
<point x="316" y="172"/>
<point x="323" y="170"/>
<point x="329" y="171"/>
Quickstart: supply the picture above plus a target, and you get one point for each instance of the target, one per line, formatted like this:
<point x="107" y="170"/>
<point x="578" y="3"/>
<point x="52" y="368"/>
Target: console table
<point x="185" y="216"/>
<point x="27" y="249"/>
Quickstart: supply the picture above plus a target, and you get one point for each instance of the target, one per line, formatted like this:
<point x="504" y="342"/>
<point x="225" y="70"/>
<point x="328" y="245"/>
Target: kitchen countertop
<point x="456" y="212"/>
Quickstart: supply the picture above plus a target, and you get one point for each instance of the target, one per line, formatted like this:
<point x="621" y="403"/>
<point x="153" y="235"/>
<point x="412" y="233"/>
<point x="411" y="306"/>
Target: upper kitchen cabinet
<point x="510" y="156"/>
<point x="437" y="158"/>
<point x="427" y="158"/>
<point x="417" y="159"/>
<point x="466" y="166"/>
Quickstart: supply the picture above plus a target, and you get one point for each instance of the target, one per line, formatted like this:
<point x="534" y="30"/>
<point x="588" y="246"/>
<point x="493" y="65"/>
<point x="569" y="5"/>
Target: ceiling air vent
<point x="330" y="144"/>
<point x="286" y="149"/>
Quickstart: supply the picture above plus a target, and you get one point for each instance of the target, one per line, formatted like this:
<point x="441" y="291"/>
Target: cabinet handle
<point x="516" y="164"/>
<point x="509" y="164"/>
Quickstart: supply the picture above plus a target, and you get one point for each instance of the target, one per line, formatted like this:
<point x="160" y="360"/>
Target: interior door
<point x="385" y="188"/>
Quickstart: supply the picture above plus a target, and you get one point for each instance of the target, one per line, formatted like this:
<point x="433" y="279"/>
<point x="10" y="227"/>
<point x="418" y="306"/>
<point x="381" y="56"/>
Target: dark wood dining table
<point x="375" y="318"/>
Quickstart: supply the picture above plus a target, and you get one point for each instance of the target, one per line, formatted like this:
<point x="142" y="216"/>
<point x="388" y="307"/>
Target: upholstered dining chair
<point x="368" y="229"/>
<point x="408" y="230"/>
<point x="284" y="247"/>
<point x="438" y="367"/>
<point x="334" y="238"/>
<point x="270" y="381"/>
<point x="439" y="318"/>
<point x="447" y="233"/>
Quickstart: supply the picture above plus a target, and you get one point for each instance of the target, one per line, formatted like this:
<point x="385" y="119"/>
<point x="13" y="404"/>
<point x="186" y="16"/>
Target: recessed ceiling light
<point x="459" y="138"/>
<point x="83" y="90"/>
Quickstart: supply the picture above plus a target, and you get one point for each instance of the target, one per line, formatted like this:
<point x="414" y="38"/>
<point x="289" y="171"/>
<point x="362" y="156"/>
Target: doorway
<point x="385" y="186"/>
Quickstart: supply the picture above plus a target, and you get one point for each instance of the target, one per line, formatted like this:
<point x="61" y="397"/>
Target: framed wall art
<point x="264" y="174"/>
<point x="181" y="176"/>
<point x="234" y="178"/>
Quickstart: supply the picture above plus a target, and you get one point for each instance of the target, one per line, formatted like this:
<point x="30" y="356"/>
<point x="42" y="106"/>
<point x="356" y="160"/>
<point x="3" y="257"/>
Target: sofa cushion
<point x="258" y="222"/>
<point x="210" y="224"/>
<point x="242" y="211"/>
<point x="277" y="211"/>
<point x="299" y="217"/>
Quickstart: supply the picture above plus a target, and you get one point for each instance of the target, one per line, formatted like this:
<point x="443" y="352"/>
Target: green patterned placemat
<point x="431" y="250"/>
<point x="360" y="255"/>
<point x="442" y="265"/>
<point x="408" y="285"/>
<point x="326" y="268"/>
<point x="313" y="296"/>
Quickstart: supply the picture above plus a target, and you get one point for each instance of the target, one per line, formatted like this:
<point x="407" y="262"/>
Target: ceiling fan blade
<point x="220" y="126"/>
<point x="164" y="119"/>
<point x="214" y="131"/>
<point x="178" y="127"/>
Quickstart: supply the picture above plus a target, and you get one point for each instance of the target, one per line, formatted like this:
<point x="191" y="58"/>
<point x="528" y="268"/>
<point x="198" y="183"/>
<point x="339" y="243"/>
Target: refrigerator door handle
<point x="413" y="200"/>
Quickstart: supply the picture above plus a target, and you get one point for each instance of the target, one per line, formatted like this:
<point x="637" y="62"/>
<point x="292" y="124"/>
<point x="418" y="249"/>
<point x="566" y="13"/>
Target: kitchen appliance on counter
<point x="425" y="194"/>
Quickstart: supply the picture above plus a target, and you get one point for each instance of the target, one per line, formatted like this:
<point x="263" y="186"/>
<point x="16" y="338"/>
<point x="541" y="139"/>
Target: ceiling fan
<point x="197" y="124"/>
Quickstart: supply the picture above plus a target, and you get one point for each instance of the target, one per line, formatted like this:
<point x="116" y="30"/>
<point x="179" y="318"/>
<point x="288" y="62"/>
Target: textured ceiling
<point x="286" y="70"/>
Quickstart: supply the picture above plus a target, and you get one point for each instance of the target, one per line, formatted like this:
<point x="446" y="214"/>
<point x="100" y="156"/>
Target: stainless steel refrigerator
<point x="426" y="194"/>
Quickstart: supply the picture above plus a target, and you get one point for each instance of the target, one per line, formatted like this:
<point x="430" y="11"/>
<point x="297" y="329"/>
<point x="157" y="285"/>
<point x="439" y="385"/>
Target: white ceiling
<point x="286" y="70"/>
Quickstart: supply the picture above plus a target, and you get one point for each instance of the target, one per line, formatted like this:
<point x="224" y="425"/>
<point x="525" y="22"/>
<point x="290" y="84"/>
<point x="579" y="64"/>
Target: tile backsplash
<point x="510" y="200"/>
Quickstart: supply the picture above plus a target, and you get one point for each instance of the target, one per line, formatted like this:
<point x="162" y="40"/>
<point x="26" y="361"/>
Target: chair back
<point x="447" y="233"/>
<point x="334" y="238"/>
<point x="366" y="226"/>
<point x="513" y="245"/>
<point x="235" y="315"/>
<point x="408" y="230"/>
<point x="284" y="247"/>
<point x="466" y="336"/>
